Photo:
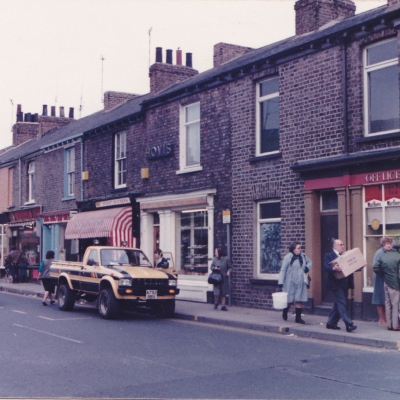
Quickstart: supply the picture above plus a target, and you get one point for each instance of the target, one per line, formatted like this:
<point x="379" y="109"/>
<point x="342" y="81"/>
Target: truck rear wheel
<point x="165" y="309"/>
<point x="66" y="298"/>
<point x="108" y="304"/>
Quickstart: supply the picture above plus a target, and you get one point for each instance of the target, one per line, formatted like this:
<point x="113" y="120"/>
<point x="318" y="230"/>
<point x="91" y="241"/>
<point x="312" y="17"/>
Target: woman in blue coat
<point x="292" y="279"/>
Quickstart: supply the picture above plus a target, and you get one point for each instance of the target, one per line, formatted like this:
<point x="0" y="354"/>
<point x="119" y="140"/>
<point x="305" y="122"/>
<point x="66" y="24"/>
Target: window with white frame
<point x="267" y="116"/>
<point x="120" y="160"/>
<point x="269" y="237"/>
<point x="381" y="88"/>
<point x="190" y="137"/>
<point x="31" y="182"/>
<point x="70" y="172"/>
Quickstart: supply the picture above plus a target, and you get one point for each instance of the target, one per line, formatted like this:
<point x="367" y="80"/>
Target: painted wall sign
<point x="113" y="202"/>
<point x="351" y="180"/>
<point x="160" y="150"/>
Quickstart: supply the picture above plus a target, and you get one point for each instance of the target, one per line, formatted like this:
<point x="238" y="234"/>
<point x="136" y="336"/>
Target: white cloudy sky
<point x="51" y="50"/>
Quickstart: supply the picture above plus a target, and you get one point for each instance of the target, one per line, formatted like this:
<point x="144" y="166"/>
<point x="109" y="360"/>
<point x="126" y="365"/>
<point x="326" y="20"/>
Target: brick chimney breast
<point x="224" y="52"/>
<point x="393" y="2"/>
<point x="163" y="75"/>
<point x="113" y="99"/>
<point x="312" y="14"/>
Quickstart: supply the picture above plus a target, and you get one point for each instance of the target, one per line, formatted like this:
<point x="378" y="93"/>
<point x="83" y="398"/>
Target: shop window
<point x="267" y="116"/>
<point x="382" y="218"/>
<point x="269" y="237"/>
<point x="381" y="88"/>
<point x="31" y="182"/>
<point x="189" y="156"/>
<point x="194" y="242"/>
<point x="120" y="166"/>
<point x="70" y="172"/>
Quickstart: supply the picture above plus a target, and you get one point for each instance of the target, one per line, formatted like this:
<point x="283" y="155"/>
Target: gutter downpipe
<point x="346" y="152"/>
<point x="19" y="182"/>
<point x="82" y="193"/>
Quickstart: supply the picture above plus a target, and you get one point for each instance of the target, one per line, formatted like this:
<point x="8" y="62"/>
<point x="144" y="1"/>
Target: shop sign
<point x="160" y="150"/>
<point x="383" y="176"/>
<point x="226" y="216"/>
<point x="22" y="215"/>
<point x="113" y="202"/>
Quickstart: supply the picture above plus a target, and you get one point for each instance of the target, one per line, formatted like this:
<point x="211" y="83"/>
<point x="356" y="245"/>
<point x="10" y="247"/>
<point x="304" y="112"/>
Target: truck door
<point x="89" y="273"/>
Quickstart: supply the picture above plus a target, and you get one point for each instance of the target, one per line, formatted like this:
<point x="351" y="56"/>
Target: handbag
<point x="214" y="278"/>
<point x="307" y="280"/>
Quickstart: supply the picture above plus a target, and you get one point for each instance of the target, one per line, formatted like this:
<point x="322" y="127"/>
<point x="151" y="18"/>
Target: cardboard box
<point x="350" y="261"/>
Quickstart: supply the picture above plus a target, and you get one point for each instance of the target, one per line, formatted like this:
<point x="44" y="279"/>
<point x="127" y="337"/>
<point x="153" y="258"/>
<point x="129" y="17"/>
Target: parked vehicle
<point x="117" y="278"/>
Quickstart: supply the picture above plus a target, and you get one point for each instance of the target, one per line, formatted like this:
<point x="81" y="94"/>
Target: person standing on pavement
<point x="339" y="288"/>
<point x="13" y="262"/>
<point x="222" y="265"/>
<point x="378" y="295"/>
<point x="44" y="275"/>
<point x="292" y="279"/>
<point x="388" y="267"/>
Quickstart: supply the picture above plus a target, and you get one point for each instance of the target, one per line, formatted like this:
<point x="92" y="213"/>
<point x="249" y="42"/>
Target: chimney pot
<point x="53" y="111"/>
<point x="35" y="117"/>
<point x="71" y="112"/>
<point x="62" y="112"/>
<point x="28" y="117"/>
<point x="159" y="54"/>
<point x="169" y="57"/>
<point x="179" y="57"/>
<point x="44" y="110"/>
<point x="20" y="116"/>
<point x="189" y="60"/>
<point x="19" y="108"/>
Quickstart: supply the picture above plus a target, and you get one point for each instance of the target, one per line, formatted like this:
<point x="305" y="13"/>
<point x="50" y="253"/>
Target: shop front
<point x="53" y="236"/>
<point x="182" y="225"/>
<point x="24" y="234"/>
<point x="108" y="227"/>
<point x="360" y="206"/>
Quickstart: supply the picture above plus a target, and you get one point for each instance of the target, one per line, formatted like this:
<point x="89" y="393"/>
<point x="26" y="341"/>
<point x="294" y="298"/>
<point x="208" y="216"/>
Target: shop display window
<point x="194" y="242"/>
<point x="269" y="237"/>
<point x="382" y="218"/>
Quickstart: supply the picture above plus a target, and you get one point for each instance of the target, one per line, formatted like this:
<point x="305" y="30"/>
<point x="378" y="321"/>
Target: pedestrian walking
<point x="13" y="262"/>
<point x="222" y="265"/>
<point x="293" y="279"/>
<point x="44" y="275"/>
<point x="339" y="288"/>
<point x="388" y="267"/>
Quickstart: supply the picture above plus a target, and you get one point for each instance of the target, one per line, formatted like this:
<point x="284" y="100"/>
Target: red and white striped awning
<point x="115" y="223"/>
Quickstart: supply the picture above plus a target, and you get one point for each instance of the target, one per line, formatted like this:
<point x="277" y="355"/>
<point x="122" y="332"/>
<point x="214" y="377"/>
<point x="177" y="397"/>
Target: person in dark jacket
<point x="339" y="288"/>
<point x="388" y="267"/>
<point x="221" y="264"/>
<point x="44" y="275"/>
<point x="13" y="262"/>
<point x="160" y="261"/>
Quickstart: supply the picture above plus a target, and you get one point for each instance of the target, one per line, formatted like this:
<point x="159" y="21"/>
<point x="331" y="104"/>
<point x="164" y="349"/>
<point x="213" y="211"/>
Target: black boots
<point x="284" y="313"/>
<point x="298" y="316"/>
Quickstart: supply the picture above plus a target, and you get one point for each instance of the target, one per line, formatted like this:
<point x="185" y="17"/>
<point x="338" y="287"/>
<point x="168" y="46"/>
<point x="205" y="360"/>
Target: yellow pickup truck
<point x="117" y="278"/>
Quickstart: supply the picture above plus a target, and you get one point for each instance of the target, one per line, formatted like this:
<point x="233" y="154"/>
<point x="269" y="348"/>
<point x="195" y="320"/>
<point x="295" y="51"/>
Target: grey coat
<point x="225" y="265"/>
<point x="292" y="278"/>
<point x="45" y="273"/>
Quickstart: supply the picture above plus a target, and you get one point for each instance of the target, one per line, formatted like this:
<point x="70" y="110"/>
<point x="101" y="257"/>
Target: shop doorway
<point x="329" y="231"/>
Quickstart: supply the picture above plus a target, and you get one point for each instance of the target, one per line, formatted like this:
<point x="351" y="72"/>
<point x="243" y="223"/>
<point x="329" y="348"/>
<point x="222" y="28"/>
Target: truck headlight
<point x="172" y="282"/>
<point x="125" y="282"/>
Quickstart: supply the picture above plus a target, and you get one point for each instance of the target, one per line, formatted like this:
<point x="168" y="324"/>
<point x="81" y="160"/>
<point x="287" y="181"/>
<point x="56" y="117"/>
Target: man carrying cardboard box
<point x="339" y="289"/>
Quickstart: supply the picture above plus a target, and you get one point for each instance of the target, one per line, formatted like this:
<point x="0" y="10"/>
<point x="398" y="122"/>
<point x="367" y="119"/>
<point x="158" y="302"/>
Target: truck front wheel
<point x="66" y="298"/>
<point x="108" y="304"/>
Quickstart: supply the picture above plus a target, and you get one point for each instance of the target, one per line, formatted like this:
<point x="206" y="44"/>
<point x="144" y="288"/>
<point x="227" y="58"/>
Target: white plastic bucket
<point x="280" y="300"/>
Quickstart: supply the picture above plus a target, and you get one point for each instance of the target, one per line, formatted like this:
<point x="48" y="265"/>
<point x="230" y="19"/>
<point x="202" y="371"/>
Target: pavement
<point x="367" y="333"/>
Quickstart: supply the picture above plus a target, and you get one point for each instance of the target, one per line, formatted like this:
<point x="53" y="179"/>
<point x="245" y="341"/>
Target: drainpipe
<point x="82" y="193"/>
<point x="19" y="182"/>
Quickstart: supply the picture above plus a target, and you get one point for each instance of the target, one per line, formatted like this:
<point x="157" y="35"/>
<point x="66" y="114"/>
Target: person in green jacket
<point x="388" y="266"/>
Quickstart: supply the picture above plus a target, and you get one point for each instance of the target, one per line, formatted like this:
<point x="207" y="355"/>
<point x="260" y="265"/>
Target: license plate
<point x="151" y="294"/>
